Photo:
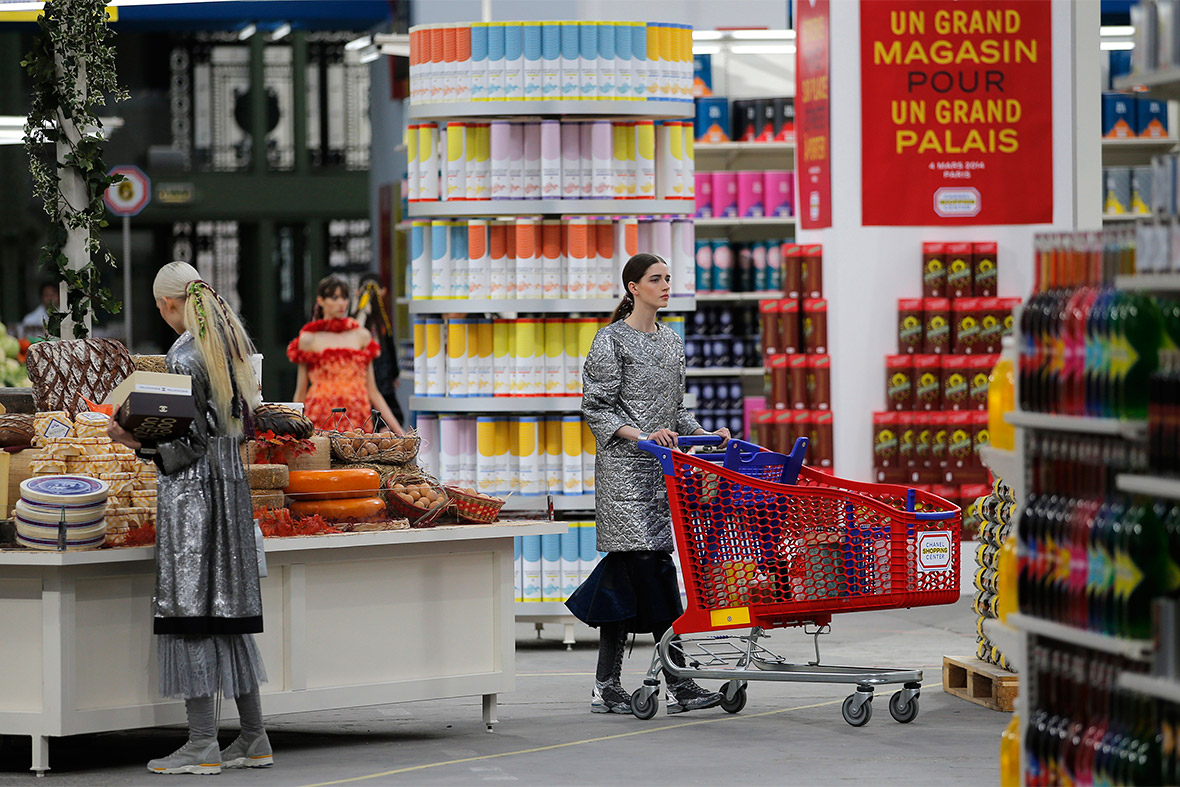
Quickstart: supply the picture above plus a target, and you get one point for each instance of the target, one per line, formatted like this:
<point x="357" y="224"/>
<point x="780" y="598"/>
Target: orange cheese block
<point x="369" y="509"/>
<point x="339" y="484"/>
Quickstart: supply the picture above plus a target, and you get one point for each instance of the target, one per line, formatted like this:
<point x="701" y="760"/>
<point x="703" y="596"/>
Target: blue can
<point x="712" y="119"/>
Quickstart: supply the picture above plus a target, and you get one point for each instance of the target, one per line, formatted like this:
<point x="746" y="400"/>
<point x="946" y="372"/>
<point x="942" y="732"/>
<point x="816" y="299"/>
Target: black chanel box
<point x="154" y="407"/>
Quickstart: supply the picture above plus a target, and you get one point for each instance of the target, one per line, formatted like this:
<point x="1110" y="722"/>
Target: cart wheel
<point x="903" y="714"/>
<point x="644" y="703"/>
<point x="856" y="718"/>
<point x="737" y="703"/>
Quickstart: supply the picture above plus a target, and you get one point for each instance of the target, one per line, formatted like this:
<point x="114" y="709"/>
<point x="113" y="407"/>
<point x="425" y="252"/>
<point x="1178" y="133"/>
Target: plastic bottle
<point x="1006" y="578"/>
<point x="1010" y="753"/>
<point x="1001" y="397"/>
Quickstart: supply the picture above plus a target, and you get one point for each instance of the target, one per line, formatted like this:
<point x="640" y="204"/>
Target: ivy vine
<point x="72" y="67"/>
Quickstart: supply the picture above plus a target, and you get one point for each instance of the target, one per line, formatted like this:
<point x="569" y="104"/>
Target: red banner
<point x="812" y="116"/>
<point x="956" y="112"/>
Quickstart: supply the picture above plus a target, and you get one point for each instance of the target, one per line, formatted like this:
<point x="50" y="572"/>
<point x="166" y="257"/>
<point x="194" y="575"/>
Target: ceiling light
<point x="705" y="49"/>
<point x="359" y="43"/>
<point x="763" y="49"/>
<point x="1109" y="46"/>
<point x="247" y="31"/>
<point x="761" y="35"/>
<point x="281" y="32"/>
<point x="1117" y="30"/>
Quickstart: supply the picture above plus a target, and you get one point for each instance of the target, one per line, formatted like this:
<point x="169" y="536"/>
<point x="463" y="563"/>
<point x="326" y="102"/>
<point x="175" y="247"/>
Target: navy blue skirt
<point x="637" y="589"/>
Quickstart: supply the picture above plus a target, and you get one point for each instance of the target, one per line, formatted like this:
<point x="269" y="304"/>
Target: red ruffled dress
<point x="337" y="377"/>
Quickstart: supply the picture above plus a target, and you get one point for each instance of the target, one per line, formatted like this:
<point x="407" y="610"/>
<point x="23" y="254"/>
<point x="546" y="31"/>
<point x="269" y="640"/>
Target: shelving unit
<point x="506" y="404"/>
<point x="1149" y="282"/>
<point x="744" y="155"/>
<point x="1006" y="465"/>
<point x="686" y="303"/>
<point x="765" y="221"/>
<point x="1134" y="649"/>
<point x="1164" y="83"/>
<point x="1131" y="430"/>
<point x="601" y="110"/>
<point x="726" y="371"/>
<point x="1167" y="689"/>
<point x="519" y="504"/>
<point x="1155" y="486"/>
<point x="1134" y="152"/>
<point x="1117" y="217"/>
<point x="732" y="297"/>
<point x="527" y="207"/>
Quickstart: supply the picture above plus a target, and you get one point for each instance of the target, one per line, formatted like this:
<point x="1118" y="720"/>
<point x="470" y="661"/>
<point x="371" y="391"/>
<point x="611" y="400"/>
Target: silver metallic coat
<point x="206" y="563"/>
<point x="632" y="378"/>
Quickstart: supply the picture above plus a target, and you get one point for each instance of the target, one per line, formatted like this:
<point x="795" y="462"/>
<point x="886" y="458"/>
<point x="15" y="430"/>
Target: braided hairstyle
<point x="633" y="271"/>
<point x="222" y="340"/>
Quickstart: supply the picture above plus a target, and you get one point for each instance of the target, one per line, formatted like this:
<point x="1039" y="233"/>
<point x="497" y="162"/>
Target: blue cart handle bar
<point x="664" y="455"/>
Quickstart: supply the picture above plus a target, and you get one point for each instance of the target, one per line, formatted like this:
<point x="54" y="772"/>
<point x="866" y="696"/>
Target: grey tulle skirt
<point x="203" y="666"/>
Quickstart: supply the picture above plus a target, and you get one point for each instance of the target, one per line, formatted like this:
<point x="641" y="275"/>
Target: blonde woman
<point x="207" y="602"/>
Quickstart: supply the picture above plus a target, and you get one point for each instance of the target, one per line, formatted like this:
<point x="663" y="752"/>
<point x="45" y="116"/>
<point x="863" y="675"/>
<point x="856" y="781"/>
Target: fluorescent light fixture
<point x="705" y="49"/>
<point x="761" y="35"/>
<point x="1117" y="30"/>
<point x="359" y="43"/>
<point x="368" y="54"/>
<point x="763" y="49"/>
<point x="247" y="31"/>
<point x="1110" y="46"/>
<point x="280" y="32"/>
<point x="706" y="35"/>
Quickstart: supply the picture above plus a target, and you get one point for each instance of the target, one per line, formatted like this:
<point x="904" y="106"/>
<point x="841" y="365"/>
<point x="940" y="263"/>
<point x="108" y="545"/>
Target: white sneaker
<point x="255" y="753"/>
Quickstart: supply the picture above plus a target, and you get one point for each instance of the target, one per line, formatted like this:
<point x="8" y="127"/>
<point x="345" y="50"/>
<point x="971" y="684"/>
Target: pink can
<point x="704" y="194"/>
<point x="751" y="201"/>
<point x="779" y="192"/>
<point x="725" y="194"/>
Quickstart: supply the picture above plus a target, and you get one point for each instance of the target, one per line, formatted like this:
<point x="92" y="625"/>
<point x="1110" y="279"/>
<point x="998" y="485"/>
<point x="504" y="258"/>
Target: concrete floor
<point x="788" y="733"/>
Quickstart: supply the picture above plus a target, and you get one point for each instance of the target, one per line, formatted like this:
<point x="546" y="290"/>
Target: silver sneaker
<point x="255" y="753"/>
<point x="610" y="698"/>
<point x="199" y="757"/>
<point x="686" y="695"/>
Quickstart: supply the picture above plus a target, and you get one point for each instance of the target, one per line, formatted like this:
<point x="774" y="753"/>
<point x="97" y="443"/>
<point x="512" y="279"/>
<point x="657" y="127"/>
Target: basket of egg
<point x="473" y="506"/>
<point x="417" y="500"/>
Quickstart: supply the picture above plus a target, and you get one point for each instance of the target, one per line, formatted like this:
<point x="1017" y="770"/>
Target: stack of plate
<point x="46" y="502"/>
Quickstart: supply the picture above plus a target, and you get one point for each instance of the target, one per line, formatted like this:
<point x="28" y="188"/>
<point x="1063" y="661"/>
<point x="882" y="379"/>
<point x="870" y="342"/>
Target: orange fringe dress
<point x="337" y="377"/>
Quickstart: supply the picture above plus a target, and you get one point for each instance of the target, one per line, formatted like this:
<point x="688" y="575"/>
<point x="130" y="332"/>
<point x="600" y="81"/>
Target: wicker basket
<point x="16" y="429"/>
<point x="419" y="516"/>
<point x="350" y="448"/>
<point x="470" y="508"/>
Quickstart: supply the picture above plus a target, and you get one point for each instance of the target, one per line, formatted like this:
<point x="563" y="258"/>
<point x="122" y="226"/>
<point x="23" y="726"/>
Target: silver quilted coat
<point x="632" y="378"/>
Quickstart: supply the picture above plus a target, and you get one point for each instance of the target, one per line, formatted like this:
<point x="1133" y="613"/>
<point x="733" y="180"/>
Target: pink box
<point x="750" y="199"/>
<point x="779" y="192"/>
<point x="725" y="194"/>
<point x="704" y="194"/>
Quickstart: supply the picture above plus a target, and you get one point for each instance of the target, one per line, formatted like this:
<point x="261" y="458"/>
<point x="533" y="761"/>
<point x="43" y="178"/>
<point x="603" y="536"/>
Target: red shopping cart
<point x="765" y="542"/>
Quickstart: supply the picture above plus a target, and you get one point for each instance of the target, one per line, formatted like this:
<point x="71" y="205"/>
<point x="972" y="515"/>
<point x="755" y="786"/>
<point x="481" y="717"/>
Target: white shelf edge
<point x="1160" y="282"/>
<point x="1009" y="640"/>
<point x="766" y="221"/>
<point x="1125" y="216"/>
<point x="682" y="303"/>
<point x="722" y="297"/>
<point x="1137" y="649"/>
<point x="1136" y="142"/>
<point x="528" y="207"/>
<point x="517" y="503"/>
<point x="507" y="404"/>
<point x="1005" y="464"/>
<point x="707" y="148"/>
<point x="1074" y="423"/>
<point x="1151" y="685"/>
<point x="649" y="109"/>
<point x="1155" y="486"/>
<point x="1165" y="82"/>
<point x="725" y="371"/>
<point x="554" y="609"/>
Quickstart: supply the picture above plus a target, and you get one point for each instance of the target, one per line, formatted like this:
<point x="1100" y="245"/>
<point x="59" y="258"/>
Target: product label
<point x="935" y="551"/>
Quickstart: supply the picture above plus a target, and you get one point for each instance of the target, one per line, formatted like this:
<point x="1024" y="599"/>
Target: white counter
<point x="350" y="620"/>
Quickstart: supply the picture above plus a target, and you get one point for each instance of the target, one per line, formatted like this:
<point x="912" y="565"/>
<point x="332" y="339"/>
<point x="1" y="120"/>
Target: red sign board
<point x="956" y="112"/>
<point x="812" y="115"/>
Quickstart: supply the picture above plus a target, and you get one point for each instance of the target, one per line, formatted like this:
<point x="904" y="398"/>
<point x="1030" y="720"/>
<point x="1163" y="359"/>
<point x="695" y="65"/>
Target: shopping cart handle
<point x="699" y="439"/>
<point x="933" y="516"/>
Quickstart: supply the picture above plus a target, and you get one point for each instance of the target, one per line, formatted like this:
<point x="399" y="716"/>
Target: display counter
<point x="350" y="620"/>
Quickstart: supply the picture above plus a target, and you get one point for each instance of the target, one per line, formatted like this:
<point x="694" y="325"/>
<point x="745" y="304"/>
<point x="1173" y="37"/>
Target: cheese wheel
<point x="47" y="514"/>
<point x="367" y="509"/>
<point x="267" y="498"/>
<point x="268" y="476"/>
<point x="52" y="424"/>
<point x="88" y="424"/>
<point x="341" y="484"/>
<point x="35" y="537"/>
<point x="68" y="490"/>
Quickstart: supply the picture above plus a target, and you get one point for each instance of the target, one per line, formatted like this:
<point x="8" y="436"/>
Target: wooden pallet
<point x="982" y="683"/>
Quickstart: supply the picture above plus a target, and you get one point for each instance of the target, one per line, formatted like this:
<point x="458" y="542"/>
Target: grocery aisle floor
<point x="788" y="733"/>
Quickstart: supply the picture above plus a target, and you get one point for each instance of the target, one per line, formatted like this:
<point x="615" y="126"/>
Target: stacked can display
<point x="723" y="266"/>
<point x="550" y="567"/>
<point x="551" y="61"/>
<point x="745" y="194"/>
<point x="994" y="514"/>
<point x="723" y="336"/>
<point x="747" y="120"/>
<point x="531" y="455"/>
<point x="549" y="159"/>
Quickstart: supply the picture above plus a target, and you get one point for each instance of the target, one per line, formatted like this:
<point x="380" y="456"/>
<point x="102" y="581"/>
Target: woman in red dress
<point x="335" y="357"/>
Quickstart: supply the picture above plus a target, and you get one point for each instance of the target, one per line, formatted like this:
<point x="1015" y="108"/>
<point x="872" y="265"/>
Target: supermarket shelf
<point x="516" y="503"/>
<point x="766" y="221"/>
<point x="507" y="404"/>
<point x="1154" y="486"/>
<point x="1152" y="686"/>
<point x="1132" y="152"/>
<point x="707" y="148"/>
<point x="1005" y="465"/>
<point x="601" y="109"/>
<point x="724" y="155"/>
<point x="1009" y="640"/>
<point x="1155" y="282"/>
<point x="1125" y="216"/>
<point x="1072" y="423"/>
<point x="1137" y="649"/>
<point x="729" y="297"/>
<point x="542" y="609"/>
<point x="726" y="371"/>
<point x="532" y="305"/>
<point x="528" y="207"/>
<point x="1164" y="84"/>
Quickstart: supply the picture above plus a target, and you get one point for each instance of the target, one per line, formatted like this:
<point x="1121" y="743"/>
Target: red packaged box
<point x="960" y="259"/>
<point x="905" y="443"/>
<point x="1007" y="306"/>
<point x="938" y="446"/>
<point x="823" y="439"/>
<point x="801" y="424"/>
<point x="819" y="382"/>
<point x="813" y="271"/>
<point x="886" y="443"/>
<point x="793" y="270"/>
<point x="956" y="387"/>
<point x="936" y="314"/>
<point x="979" y="370"/>
<point x="965" y="318"/>
<point x="763" y="423"/>
<point x="948" y="493"/>
<point x="797" y="398"/>
<point x="815" y="326"/>
<point x="771" y="328"/>
<point x="984" y="270"/>
<point x="960" y="443"/>
<point x="777" y="364"/>
<point x="991" y="324"/>
<point x="790" y="336"/>
<point x="784" y="436"/>
<point x="899" y="382"/>
<point x="927" y="378"/>
<point x="922" y="438"/>
<point x="910" y="323"/>
<point x="934" y="270"/>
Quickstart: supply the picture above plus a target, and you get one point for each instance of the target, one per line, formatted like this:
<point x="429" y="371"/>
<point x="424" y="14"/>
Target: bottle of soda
<point x="1143" y="333"/>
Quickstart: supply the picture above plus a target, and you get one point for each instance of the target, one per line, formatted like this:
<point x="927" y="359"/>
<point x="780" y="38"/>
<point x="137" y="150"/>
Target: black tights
<point x="612" y="641"/>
